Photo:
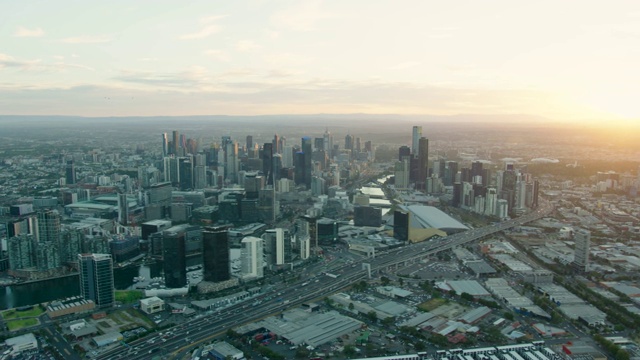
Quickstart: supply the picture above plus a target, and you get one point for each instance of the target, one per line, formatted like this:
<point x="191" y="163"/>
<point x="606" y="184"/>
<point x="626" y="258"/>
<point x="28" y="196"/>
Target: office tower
<point x="450" y="173"/>
<point x="502" y="209"/>
<point x="357" y="145"/>
<point x="317" y="186"/>
<point x="48" y="226"/>
<point x="401" y="225"/>
<point x="70" y="173"/>
<point x="232" y="161"/>
<point x="216" y="254"/>
<point x="251" y="257"/>
<point x="200" y="177"/>
<point x="267" y="162"/>
<point x="348" y="142"/>
<point x="175" y="143"/>
<point x="491" y="202"/>
<point x="165" y="145"/>
<point x="368" y="146"/>
<point x="287" y="156"/>
<point x="174" y="257"/>
<point x="275" y="246"/>
<point x="415" y="139"/>
<point x="96" y="278"/>
<point x="276" y="144"/>
<point x="47" y="256"/>
<point x="404" y="152"/>
<point x="277" y="166"/>
<point x="423" y="161"/>
<point x="476" y="169"/>
<point x="249" y="142"/>
<point x="253" y="183"/>
<point x="307" y="152"/>
<point x="401" y="173"/>
<point x="185" y="170"/>
<point x="328" y="142"/>
<point x="582" y="239"/>
<point x="123" y="209"/>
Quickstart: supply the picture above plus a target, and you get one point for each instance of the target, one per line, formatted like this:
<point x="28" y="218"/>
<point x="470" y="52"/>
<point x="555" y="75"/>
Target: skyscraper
<point x="165" y="144"/>
<point x="174" y="257"/>
<point x="175" y="143"/>
<point x="251" y="257"/>
<point x="307" y="151"/>
<point x="96" y="278"/>
<point x="48" y="226"/>
<point x="70" y="173"/>
<point x="415" y="139"/>
<point x="582" y="239"/>
<point x="215" y="254"/>
<point x="267" y="162"/>
<point x="423" y="161"/>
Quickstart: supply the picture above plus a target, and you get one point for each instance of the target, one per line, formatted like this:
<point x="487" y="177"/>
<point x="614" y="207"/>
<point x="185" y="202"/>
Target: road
<point x="179" y="339"/>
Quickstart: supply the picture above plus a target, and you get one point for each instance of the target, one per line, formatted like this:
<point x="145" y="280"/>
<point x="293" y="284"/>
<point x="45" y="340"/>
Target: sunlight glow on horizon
<point x="568" y="61"/>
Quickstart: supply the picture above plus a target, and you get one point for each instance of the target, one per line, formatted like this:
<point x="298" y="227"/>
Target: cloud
<point x="212" y="18"/>
<point x="25" y="32"/>
<point x="302" y="17"/>
<point x="218" y="55"/>
<point x="279" y="73"/>
<point x="202" y="33"/>
<point x="86" y="39"/>
<point x="148" y="59"/>
<point x="192" y="78"/>
<point x="38" y="65"/>
<point x="405" y="65"/>
<point x="247" y="45"/>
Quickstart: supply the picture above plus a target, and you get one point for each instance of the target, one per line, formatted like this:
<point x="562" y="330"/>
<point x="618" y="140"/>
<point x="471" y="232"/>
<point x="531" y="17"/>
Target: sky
<point x="566" y="60"/>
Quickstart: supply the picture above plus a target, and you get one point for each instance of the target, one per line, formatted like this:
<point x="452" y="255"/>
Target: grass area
<point x="116" y="319"/>
<point x="104" y="324"/>
<point x="136" y="315"/>
<point x="431" y="304"/>
<point x="15" y="314"/>
<point x="14" y="325"/>
<point x="128" y="296"/>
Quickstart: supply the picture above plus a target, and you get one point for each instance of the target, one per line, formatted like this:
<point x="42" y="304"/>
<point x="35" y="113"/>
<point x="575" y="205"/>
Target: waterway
<point x="59" y="288"/>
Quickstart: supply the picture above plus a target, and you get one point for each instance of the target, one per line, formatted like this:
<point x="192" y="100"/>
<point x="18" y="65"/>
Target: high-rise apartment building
<point x="48" y="226"/>
<point x="96" y="278"/>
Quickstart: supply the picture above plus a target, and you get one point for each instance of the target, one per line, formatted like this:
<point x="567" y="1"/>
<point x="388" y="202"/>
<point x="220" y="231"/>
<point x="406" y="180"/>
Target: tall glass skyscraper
<point x="96" y="278"/>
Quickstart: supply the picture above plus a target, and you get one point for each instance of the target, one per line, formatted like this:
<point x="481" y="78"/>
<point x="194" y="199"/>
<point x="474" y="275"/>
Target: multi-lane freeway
<point x="180" y="339"/>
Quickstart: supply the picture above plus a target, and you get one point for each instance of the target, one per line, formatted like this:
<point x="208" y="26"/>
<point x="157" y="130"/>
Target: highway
<point x="179" y="339"/>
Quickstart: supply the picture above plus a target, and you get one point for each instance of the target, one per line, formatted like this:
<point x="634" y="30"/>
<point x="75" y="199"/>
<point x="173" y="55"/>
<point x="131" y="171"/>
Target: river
<point x="59" y="288"/>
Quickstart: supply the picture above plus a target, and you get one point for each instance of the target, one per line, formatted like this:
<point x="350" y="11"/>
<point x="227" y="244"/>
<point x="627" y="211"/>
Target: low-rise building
<point x="22" y="343"/>
<point x="152" y="305"/>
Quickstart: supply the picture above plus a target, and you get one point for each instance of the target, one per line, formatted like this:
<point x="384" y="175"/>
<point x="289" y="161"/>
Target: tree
<point x="372" y="315"/>
<point x="508" y="315"/>
<point x="389" y="321"/>
<point x="351" y="306"/>
<point x="384" y="281"/>
<point x="401" y="281"/>
<point x="622" y="354"/>
<point x="466" y="296"/>
<point x="349" y="351"/>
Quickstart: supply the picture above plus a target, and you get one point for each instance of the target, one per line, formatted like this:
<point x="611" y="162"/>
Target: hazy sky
<point x="560" y="59"/>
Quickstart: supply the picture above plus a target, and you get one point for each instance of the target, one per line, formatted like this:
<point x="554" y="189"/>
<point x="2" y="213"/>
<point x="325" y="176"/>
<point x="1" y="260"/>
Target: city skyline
<point x="566" y="62"/>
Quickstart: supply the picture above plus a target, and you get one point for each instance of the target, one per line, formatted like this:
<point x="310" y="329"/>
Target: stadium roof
<point x="431" y="217"/>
